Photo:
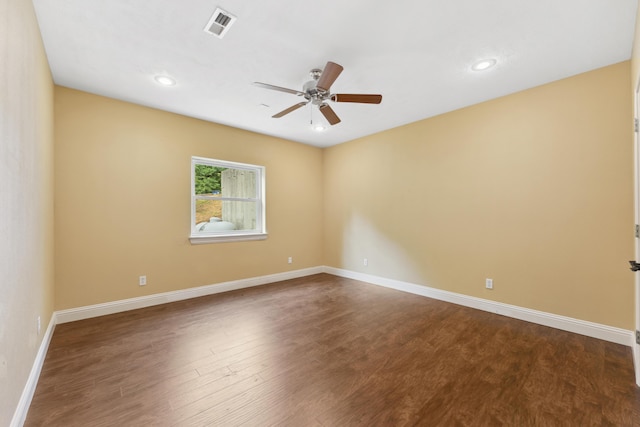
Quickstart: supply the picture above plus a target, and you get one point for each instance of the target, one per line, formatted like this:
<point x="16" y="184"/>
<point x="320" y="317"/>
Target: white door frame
<point x="636" y="192"/>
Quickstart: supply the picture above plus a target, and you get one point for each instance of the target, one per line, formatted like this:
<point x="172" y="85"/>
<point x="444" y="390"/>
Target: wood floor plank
<point x="328" y="351"/>
<point x="207" y="385"/>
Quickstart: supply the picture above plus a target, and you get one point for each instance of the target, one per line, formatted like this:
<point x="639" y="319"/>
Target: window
<point x="227" y="201"/>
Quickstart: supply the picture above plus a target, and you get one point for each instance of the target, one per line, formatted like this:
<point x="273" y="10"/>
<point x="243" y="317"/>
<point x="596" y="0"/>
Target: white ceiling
<point x="416" y="53"/>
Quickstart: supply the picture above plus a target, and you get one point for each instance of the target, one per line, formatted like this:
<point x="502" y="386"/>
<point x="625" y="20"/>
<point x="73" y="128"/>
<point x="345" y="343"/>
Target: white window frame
<point x="259" y="233"/>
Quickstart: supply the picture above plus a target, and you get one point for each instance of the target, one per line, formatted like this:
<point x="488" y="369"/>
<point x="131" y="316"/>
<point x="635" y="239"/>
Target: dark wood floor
<point x="327" y="351"/>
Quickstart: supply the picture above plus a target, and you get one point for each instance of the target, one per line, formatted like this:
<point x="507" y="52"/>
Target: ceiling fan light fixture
<point x="164" y="80"/>
<point x="318" y="127"/>
<point x="484" y="64"/>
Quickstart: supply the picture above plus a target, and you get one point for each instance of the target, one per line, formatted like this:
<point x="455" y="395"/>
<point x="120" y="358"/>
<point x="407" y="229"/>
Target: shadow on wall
<point x="370" y="251"/>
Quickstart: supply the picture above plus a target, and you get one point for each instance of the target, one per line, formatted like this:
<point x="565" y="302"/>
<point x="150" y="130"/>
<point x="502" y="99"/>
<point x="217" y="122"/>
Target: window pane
<point x="238" y="183"/>
<point x="208" y="179"/>
<point x="241" y="214"/>
<point x="207" y="209"/>
<point x="226" y="215"/>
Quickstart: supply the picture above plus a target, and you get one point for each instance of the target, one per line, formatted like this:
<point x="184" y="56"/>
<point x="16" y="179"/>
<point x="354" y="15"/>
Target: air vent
<point x="219" y="23"/>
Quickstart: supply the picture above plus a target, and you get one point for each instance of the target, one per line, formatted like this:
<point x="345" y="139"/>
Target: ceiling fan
<point x="317" y="92"/>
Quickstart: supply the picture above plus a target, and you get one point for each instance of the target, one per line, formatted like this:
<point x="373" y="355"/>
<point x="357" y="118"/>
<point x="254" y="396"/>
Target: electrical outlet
<point x="290" y="260"/>
<point x="488" y="283"/>
<point x="365" y="262"/>
<point x="39" y="326"/>
<point x="142" y="281"/>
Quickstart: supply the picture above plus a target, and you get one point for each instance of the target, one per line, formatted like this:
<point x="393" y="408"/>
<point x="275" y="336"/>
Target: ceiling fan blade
<point x="329" y="75"/>
<point x="278" y="88"/>
<point x="329" y="114"/>
<point x="360" y="98"/>
<point x="288" y="110"/>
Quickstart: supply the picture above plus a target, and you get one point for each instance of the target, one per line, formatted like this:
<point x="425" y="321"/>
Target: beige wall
<point x="123" y="201"/>
<point x="26" y="198"/>
<point x="533" y="190"/>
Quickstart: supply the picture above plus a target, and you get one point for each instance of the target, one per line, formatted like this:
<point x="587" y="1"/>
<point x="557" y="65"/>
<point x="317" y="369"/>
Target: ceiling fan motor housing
<point x="313" y="94"/>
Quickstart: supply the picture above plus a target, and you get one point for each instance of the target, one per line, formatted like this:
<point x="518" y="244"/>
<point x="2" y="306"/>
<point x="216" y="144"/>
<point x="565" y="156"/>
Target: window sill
<point x="203" y="240"/>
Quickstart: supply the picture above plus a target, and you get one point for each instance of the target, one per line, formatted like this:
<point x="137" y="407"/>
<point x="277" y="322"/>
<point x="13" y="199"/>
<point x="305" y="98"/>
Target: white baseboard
<point x="20" y="414"/>
<point x="595" y="330"/>
<point x="73" y="314"/>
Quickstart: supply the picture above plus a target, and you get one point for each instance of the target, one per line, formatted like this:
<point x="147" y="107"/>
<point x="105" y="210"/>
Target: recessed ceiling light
<point x="164" y="80"/>
<point x="484" y="64"/>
